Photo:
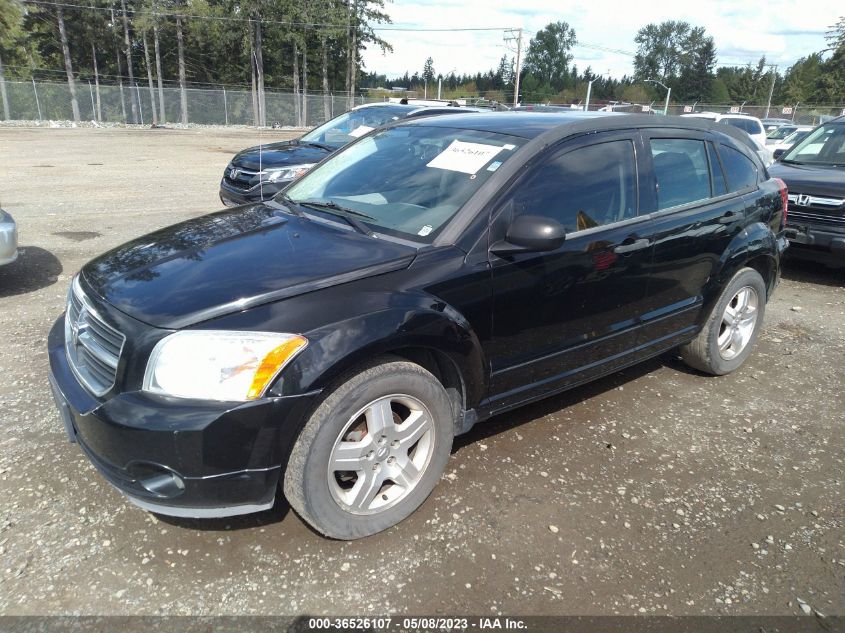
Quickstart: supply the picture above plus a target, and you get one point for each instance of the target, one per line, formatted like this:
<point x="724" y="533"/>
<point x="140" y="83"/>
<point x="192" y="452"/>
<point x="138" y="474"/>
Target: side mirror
<point x="531" y="234"/>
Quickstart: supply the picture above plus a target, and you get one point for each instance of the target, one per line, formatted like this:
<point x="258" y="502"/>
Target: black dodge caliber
<point x="330" y="343"/>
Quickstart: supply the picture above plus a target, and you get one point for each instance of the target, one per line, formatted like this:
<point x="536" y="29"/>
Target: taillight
<point x="784" y="199"/>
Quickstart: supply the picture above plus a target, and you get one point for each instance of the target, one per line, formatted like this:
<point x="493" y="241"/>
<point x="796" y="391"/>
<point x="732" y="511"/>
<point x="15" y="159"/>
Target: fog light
<point x="157" y="480"/>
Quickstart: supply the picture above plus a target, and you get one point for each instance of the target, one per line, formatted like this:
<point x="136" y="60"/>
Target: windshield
<point x="781" y="132"/>
<point x="349" y="126"/>
<point x="824" y="146"/>
<point x="406" y="181"/>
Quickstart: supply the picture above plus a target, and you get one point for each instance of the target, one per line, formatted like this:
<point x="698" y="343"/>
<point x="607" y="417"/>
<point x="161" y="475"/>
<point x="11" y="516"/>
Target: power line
<point x="324" y="25"/>
<point x="605" y="49"/>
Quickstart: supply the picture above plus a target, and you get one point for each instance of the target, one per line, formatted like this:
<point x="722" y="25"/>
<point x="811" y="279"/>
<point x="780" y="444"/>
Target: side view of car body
<point x="814" y="171"/>
<point x="8" y="238"/>
<point x="259" y="173"/>
<point x="428" y="276"/>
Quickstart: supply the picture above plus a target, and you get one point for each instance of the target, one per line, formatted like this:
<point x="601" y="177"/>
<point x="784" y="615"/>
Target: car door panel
<point x="563" y="315"/>
<point x="559" y="313"/>
<point x="689" y="243"/>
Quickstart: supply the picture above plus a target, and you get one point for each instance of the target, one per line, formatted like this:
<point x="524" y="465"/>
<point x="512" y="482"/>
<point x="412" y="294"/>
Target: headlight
<point x="219" y="365"/>
<point x="286" y="173"/>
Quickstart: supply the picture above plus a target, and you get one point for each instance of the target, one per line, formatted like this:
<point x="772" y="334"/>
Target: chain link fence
<point x="50" y="101"/>
<point x="805" y="114"/>
<point x="799" y="113"/>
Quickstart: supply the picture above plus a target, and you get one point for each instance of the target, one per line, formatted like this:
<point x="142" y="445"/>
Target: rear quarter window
<point x="740" y="171"/>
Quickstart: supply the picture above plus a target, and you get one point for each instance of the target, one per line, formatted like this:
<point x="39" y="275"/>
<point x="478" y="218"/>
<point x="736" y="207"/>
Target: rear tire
<point x="372" y="451"/>
<point x="731" y="330"/>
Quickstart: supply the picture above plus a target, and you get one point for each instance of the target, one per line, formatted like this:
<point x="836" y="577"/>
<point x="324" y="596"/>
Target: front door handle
<point x="729" y="218"/>
<point x="630" y="245"/>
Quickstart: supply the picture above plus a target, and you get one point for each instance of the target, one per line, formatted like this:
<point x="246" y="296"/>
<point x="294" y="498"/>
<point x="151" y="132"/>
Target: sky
<point x="742" y="30"/>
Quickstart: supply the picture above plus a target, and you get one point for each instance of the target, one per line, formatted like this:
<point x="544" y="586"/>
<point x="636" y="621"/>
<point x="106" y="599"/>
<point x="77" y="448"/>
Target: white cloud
<point x="743" y="31"/>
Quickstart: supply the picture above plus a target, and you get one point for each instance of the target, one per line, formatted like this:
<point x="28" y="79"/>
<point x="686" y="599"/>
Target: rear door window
<point x="682" y="171"/>
<point x="740" y="170"/>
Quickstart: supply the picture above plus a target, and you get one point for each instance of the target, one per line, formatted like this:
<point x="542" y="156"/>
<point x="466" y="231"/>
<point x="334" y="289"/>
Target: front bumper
<point x="231" y="196"/>
<point x="826" y="239"/>
<point x="179" y="457"/>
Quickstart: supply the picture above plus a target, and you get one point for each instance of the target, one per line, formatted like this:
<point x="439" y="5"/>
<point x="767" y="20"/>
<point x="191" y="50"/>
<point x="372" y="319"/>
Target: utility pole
<point x="510" y="36"/>
<point x="771" y="88"/>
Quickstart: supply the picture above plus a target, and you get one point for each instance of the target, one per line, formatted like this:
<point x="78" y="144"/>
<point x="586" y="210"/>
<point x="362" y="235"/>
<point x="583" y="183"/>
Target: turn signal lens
<point x="273" y="363"/>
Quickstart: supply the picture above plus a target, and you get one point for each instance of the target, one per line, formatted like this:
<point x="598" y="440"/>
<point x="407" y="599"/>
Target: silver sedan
<point x="8" y="238"/>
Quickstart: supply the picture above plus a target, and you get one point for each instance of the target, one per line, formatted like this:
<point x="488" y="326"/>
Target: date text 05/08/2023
<point x="439" y="623"/>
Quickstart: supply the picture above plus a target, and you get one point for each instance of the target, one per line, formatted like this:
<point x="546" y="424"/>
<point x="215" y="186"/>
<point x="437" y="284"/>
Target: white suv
<point x="749" y="124"/>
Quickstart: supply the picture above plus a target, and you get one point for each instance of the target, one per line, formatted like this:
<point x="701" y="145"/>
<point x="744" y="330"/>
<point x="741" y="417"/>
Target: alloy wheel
<point x="381" y="454"/>
<point x="738" y="322"/>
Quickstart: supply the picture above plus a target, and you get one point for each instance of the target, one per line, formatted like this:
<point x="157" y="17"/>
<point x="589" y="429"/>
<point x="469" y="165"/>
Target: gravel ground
<point x="657" y="490"/>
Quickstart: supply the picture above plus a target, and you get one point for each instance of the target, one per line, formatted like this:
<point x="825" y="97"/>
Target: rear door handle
<point x="729" y="218"/>
<point x="630" y="245"/>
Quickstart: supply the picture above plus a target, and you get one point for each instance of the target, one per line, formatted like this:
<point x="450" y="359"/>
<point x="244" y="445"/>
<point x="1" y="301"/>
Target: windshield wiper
<point x="328" y="148"/>
<point x="791" y="162"/>
<point x="331" y="204"/>
<point x="289" y="204"/>
<point x="344" y="212"/>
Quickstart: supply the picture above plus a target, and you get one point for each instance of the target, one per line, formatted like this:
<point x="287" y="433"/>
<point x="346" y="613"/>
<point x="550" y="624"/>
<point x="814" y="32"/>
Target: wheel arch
<point x="755" y="247"/>
<point x="440" y="341"/>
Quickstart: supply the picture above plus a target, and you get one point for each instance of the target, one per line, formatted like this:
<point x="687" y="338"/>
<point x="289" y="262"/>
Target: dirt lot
<point x="655" y="491"/>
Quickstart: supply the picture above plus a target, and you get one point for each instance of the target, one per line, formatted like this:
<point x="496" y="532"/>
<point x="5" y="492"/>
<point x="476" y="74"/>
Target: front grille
<point x="93" y="346"/>
<point x="821" y="203"/>
<point x="240" y="178"/>
<point x="820" y="218"/>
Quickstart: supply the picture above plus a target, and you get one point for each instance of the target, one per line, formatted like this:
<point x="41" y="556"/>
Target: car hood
<point x="232" y="260"/>
<point x="821" y="181"/>
<point x="279" y="155"/>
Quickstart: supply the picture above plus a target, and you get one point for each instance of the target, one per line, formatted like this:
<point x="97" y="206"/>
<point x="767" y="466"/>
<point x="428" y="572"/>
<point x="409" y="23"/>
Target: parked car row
<point x="259" y="173"/>
<point x="779" y="144"/>
<point x="749" y="124"/>
<point x="779" y="132"/>
<point x="423" y="277"/>
<point x="773" y="123"/>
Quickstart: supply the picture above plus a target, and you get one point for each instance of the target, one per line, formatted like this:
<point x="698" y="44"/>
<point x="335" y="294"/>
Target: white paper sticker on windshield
<point x="426" y="230"/>
<point x="508" y="146"/>
<point x="360" y="131"/>
<point x="466" y="158"/>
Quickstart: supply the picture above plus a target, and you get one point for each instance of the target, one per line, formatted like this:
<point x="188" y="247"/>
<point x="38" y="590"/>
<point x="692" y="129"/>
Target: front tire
<point x="372" y="451"/>
<point x="732" y="328"/>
